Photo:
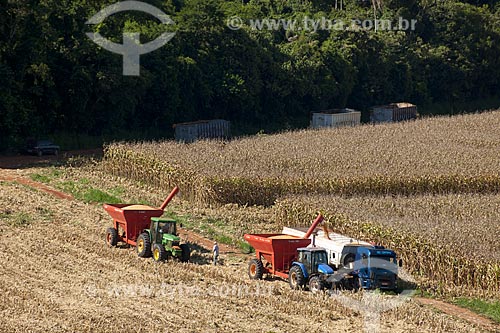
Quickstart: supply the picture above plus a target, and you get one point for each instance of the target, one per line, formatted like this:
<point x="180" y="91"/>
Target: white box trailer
<point x="336" y="118"/>
<point x="394" y="112"/>
<point x="203" y="129"/>
<point x="341" y="249"/>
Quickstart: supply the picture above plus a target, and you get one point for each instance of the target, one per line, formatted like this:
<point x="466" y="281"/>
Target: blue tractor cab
<point x="311" y="268"/>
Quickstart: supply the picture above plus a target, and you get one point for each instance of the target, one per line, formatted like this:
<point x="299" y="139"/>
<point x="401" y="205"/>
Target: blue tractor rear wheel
<point x="296" y="278"/>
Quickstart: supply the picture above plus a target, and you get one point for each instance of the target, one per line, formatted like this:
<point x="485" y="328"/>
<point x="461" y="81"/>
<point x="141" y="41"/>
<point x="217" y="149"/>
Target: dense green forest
<point x="56" y="80"/>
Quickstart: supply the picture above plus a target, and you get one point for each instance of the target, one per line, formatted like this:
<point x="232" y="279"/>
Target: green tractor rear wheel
<point x="186" y="253"/>
<point x="159" y="253"/>
<point x="144" y="245"/>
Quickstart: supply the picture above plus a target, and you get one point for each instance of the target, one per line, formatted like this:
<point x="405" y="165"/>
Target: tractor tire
<point x="159" y="253"/>
<point x="186" y="253"/>
<point x="255" y="269"/>
<point x="144" y="245"/>
<point x="111" y="237"/>
<point x="316" y="285"/>
<point x="296" y="278"/>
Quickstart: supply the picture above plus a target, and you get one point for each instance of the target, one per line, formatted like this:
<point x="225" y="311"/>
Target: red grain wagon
<point x="132" y="219"/>
<point x="276" y="252"/>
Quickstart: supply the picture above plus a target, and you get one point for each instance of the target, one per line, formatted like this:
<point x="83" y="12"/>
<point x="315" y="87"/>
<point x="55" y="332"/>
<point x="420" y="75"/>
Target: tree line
<point x="54" y="79"/>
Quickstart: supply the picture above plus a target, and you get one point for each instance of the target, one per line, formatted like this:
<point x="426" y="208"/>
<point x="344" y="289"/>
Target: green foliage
<point x="98" y="196"/>
<point x="488" y="309"/>
<point x="55" y="80"/>
<point x="81" y="190"/>
<point x="246" y="248"/>
<point x="40" y="178"/>
<point x="214" y="229"/>
<point x="16" y="219"/>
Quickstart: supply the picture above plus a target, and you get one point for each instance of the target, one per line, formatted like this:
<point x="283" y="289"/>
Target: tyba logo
<point x="131" y="49"/>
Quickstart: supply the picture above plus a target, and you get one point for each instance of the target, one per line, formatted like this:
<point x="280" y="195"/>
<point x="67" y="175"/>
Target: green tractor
<point x="161" y="241"/>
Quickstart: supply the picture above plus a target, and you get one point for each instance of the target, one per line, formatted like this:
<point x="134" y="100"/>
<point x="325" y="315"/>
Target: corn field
<point x="427" y="189"/>
<point x="450" y="240"/>
<point x="435" y="155"/>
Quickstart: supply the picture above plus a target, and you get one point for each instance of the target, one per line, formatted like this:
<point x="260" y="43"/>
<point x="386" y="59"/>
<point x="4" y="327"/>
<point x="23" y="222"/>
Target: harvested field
<point x="427" y="189"/>
<point x="57" y="275"/>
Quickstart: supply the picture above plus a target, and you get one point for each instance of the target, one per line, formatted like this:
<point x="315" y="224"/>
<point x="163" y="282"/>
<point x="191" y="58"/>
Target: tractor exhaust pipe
<point x="169" y="198"/>
<point x="314" y="225"/>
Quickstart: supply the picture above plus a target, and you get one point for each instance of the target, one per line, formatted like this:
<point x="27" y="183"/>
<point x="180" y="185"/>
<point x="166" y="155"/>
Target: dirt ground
<point x="25" y="160"/>
<point x="59" y="276"/>
<point x="459" y="312"/>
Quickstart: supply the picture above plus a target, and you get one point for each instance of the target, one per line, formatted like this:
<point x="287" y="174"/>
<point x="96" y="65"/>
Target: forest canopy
<point x="55" y="79"/>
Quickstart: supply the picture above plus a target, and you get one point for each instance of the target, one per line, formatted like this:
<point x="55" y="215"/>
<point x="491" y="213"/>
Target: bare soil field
<point x="23" y="161"/>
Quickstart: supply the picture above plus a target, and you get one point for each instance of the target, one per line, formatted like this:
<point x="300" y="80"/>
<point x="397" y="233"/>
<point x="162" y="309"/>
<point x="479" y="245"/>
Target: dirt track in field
<point x="460" y="312"/>
<point x="59" y="276"/>
<point x="13" y="176"/>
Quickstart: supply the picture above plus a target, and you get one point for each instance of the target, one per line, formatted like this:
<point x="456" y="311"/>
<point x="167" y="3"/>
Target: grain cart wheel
<point x="316" y="285"/>
<point x="111" y="237"/>
<point x="296" y="278"/>
<point x="255" y="269"/>
<point x="159" y="253"/>
<point x="186" y="253"/>
<point x="144" y="245"/>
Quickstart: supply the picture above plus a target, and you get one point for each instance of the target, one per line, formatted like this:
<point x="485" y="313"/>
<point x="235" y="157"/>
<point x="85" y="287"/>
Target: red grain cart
<point x="131" y="219"/>
<point x="275" y="253"/>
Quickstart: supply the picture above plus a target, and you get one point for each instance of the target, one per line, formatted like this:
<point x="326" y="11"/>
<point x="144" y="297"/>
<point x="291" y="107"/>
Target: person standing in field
<point x="215" y="253"/>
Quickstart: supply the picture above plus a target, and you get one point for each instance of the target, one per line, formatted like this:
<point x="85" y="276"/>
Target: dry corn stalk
<point x="438" y="155"/>
<point x="443" y="261"/>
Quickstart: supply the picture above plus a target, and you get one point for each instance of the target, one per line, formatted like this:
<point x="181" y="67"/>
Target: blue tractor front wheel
<point x="316" y="285"/>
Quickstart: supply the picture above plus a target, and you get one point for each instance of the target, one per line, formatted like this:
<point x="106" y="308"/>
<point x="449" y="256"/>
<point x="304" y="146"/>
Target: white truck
<point x="341" y="249"/>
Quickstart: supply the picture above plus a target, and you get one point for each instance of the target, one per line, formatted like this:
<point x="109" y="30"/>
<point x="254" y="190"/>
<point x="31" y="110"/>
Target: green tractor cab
<point x="162" y="242"/>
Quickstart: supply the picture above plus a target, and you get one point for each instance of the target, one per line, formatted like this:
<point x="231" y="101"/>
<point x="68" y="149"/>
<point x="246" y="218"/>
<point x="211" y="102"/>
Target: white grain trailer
<point x="341" y="249"/>
<point x="336" y="118"/>
<point x="203" y="129"/>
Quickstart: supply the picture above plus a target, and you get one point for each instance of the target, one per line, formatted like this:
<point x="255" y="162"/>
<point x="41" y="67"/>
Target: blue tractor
<point x="310" y="270"/>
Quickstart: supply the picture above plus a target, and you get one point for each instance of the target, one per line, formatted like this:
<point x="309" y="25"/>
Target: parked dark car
<point x="41" y="147"/>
